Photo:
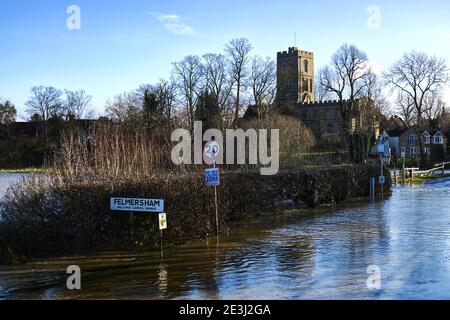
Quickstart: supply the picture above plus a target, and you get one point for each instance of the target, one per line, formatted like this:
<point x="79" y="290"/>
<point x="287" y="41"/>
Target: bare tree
<point x="405" y="106"/>
<point x="320" y="92"/>
<point x="347" y="77"/>
<point x="333" y="81"/>
<point x="357" y="69"/>
<point x="125" y="108"/>
<point x="188" y="75"/>
<point x="238" y="51"/>
<point x="77" y="103"/>
<point x="434" y="107"/>
<point x="45" y="101"/>
<point x="263" y="83"/>
<point x="218" y="80"/>
<point x="373" y="103"/>
<point x="165" y="90"/>
<point x="420" y="78"/>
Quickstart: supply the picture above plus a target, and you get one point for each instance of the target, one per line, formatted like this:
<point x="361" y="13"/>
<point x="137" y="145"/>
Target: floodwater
<point x="6" y="179"/>
<point x="299" y="255"/>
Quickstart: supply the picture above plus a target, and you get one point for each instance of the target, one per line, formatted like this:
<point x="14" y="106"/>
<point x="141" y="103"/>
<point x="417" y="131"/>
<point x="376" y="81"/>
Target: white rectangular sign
<point x="162" y="221"/>
<point x="137" y="205"/>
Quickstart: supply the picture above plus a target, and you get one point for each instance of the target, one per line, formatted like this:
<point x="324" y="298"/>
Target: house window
<point x="426" y="138"/>
<point x="412" y="139"/>
<point x="427" y="151"/>
<point x="413" y="152"/>
<point x="438" y="138"/>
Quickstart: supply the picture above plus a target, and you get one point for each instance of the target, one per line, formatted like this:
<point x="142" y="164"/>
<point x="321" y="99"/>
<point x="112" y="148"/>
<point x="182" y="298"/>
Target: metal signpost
<point x="372" y="189"/>
<point x="212" y="176"/>
<point x="381" y="153"/>
<point x="132" y="205"/>
<point x="403" y="171"/>
<point x="162" y="226"/>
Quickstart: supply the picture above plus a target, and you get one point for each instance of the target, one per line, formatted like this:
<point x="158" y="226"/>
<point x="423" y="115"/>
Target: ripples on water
<point x="302" y="255"/>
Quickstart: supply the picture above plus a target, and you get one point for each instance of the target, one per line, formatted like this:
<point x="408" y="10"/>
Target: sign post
<point x="212" y="176"/>
<point x="403" y="169"/>
<point x="381" y="153"/>
<point x="162" y="226"/>
<point x="131" y="230"/>
<point x="132" y="205"/>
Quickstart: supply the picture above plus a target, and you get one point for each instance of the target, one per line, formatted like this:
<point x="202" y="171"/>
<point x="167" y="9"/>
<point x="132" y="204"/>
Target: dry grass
<point x="110" y="152"/>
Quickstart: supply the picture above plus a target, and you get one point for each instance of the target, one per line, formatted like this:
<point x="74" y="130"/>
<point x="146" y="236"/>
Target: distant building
<point x="295" y="93"/>
<point x="406" y="140"/>
<point x="295" y="76"/>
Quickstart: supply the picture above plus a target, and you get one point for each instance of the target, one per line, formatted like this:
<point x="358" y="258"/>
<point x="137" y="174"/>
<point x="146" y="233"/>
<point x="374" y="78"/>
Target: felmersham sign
<point x="137" y="205"/>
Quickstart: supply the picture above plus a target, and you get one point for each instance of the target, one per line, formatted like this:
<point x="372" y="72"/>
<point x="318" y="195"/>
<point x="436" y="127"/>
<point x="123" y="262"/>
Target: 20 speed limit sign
<point x="212" y="149"/>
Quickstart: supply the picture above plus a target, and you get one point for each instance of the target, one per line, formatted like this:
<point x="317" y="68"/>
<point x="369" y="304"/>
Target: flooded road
<point x="300" y="255"/>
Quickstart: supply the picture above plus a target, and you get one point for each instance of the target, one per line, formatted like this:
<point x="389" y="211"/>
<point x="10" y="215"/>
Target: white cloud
<point x="173" y="23"/>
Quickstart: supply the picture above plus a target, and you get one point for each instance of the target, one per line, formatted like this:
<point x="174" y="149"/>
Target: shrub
<point x="55" y="215"/>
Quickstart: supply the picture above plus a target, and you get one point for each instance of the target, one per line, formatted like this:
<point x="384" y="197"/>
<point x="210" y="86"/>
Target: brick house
<point x="406" y="140"/>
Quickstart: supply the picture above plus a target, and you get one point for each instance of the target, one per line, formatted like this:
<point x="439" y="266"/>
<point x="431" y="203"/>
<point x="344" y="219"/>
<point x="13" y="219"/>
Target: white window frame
<point x="413" y="152"/>
<point x="438" y="139"/>
<point x="427" y="137"/>
<point x="412" y="140"/>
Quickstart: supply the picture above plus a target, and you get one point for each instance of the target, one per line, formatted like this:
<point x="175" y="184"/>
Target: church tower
<point x="295" y="76"/>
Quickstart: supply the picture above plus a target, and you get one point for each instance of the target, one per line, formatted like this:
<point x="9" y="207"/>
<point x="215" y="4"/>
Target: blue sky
<point x="122" y="44"/>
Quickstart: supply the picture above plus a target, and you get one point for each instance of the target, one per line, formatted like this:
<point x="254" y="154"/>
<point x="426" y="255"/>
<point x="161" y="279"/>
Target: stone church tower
<point x="295" y="76"/>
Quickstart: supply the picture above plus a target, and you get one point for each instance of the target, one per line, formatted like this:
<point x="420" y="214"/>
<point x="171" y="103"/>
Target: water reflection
<point x="302" y="255"/>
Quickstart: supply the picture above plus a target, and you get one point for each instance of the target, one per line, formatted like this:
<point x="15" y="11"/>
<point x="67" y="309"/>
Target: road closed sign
<point x="162" y="221"/>
<point x="137" y="205"/>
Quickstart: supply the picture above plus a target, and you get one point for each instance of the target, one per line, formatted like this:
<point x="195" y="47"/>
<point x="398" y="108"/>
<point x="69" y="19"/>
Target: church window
<point x="305" y="65"/>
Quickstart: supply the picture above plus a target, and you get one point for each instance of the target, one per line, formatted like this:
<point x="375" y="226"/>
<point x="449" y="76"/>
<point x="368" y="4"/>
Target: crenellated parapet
<point x="325" y="102"/>
<point x="294" y="52"/>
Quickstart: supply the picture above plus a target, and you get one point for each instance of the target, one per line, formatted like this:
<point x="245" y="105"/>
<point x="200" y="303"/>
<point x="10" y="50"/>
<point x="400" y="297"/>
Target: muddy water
<point x="300" y="255"/>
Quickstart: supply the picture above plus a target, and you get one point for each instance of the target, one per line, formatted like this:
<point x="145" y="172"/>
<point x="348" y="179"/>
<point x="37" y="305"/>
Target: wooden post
<point x="132" y="231"/>
<point x="162" y="254"/>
